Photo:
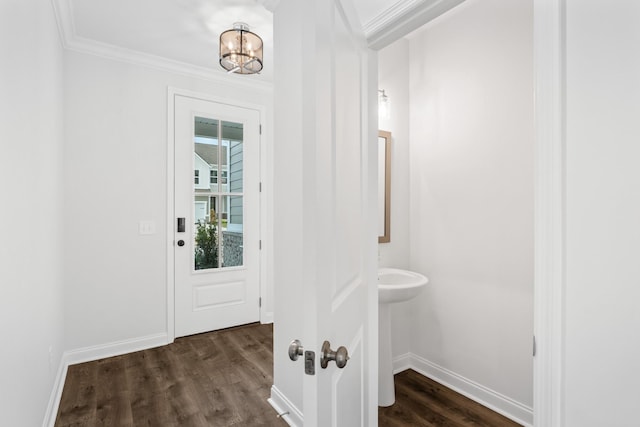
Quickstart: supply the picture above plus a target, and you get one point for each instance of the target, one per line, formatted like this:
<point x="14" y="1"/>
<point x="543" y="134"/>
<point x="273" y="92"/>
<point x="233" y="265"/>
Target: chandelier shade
<point x="240" y="50"/>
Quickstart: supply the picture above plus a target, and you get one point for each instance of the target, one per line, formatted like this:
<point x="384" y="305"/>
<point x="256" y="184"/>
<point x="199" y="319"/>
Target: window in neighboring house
<point x="196" y="176"/>
<point x="213" y="177"/>
<point x="224" y="177"/>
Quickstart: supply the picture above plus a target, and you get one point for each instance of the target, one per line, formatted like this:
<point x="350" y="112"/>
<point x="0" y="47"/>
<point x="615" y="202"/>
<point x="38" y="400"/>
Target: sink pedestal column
<point x="394" y="285"/>
<point x="386" y="387"/>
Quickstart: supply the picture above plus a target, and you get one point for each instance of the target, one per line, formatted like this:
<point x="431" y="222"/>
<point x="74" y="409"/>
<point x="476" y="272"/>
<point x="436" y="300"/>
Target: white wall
<point x="394" y="80"/>
<point x="471" y="195"/>
<point x="602" y="345"/>
<point x="31" y="135"/>
<point x="115" y="175"/>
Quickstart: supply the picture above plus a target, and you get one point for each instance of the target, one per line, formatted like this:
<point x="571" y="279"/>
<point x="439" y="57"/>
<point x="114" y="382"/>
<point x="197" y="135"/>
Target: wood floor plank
<point x="440" y="409"/>
<point x="147" y="391"/>
<point x="213" y="408"/>
<point x="423" y="402"/>
<point x="78" y="401"/>
<point x="112" y="394"/>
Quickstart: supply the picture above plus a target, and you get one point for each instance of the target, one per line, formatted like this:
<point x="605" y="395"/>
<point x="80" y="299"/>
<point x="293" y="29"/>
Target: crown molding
<point x="402" y="18"/>
<point x="63" y="11"/>
<point x="108" y="51"/>
<point x="64" y="18"/>
<point x="400" y="8"/>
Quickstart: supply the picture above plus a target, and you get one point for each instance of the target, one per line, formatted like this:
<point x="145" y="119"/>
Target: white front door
<point x="216" y="222"/>
<point x="323" y="125"/>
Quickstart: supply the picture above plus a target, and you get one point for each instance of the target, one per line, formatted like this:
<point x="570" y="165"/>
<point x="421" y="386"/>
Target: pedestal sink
<point x="394" y="286"/>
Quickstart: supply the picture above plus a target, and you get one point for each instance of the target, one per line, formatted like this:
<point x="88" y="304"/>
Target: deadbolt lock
<point x="295" y="350"/>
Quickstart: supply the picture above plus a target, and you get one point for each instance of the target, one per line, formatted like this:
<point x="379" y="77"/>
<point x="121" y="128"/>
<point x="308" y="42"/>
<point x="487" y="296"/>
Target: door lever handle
<point x="340" y="356"/>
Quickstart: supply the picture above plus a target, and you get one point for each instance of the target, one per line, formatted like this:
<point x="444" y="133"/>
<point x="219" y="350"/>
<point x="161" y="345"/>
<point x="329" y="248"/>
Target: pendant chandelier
<point x="240" y="50"/>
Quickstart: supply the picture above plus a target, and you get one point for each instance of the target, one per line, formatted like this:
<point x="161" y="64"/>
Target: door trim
<point x="172" y="92"/>
<point x="549" y="236"/>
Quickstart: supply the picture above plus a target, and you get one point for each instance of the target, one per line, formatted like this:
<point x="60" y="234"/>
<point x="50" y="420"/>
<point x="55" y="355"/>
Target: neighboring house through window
<point x="211" y="176"/>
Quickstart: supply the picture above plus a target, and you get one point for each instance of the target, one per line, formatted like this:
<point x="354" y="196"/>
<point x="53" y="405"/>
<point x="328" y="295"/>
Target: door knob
<point x="295" y="350"/>
<point x="180" y="242"/>
<point x="341" y="356"/>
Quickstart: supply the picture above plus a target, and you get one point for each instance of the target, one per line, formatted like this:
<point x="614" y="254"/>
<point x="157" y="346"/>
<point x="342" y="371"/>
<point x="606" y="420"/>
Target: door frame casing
<point x="549" y="24"/>
<point x="172" y="92"/>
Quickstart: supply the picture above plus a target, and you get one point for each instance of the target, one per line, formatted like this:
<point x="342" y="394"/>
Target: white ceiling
<point x="185" y="31"/>
<point x="182" y="35"/>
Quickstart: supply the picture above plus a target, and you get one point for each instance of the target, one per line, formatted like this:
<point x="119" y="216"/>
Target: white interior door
<point x="216" y="224"/>
<point x="336" y="145"/>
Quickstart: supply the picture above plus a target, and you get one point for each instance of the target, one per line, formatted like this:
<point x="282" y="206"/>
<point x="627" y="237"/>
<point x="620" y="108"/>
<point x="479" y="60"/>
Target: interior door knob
<point x="340" y="356"/>
<point x="295" y="350"/>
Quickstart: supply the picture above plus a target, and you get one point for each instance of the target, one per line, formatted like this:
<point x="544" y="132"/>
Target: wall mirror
<point x="384" y="186"/>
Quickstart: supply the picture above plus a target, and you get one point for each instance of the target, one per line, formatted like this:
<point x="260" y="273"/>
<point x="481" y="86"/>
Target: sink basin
<point x="395" y="285"/>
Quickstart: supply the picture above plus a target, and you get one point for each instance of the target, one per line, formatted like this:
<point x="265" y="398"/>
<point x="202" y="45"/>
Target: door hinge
<point x="260" y="187"/>
<point x="260" y="244"/>
<point x="260" y="128"/>
<point x="260" y="302"/>
<point x="534" y="345"/>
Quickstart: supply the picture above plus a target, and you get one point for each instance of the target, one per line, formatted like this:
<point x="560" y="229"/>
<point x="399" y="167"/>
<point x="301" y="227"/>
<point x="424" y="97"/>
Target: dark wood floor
<point x="423" y="402"/>
<point x="223" y="378"/>
<point x="220" y="378"/>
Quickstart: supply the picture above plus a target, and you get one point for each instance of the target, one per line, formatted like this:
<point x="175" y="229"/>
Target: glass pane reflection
<point x="217" y="194"/>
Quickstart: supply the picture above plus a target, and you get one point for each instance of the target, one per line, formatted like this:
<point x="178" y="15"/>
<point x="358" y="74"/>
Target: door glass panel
<point x="205" y="189"/>
<point x="232" y="234"/>
<point x="217" y="193"/>
<point x="206" y="245"/>
<point x="232" y="136"/>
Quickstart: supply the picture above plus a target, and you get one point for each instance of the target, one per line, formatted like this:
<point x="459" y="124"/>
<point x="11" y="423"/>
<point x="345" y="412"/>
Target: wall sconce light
<point x="240" y="50"/>
<point x="384" y="111"/>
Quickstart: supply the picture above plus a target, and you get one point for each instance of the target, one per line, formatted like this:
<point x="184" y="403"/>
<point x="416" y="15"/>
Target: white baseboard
<point x="493" y="400"/>
<point x="56" y="395"/>
<point x="285" y="409"/>
<point x="266" y="317"/>
<point x="117" y="348"/>
<point x="402" y="363"/>
<point x="89" y="354"/>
